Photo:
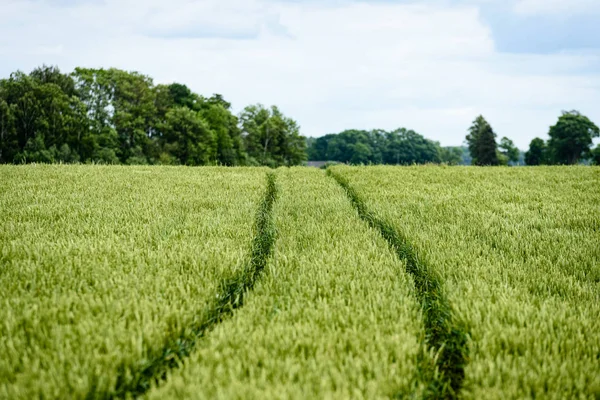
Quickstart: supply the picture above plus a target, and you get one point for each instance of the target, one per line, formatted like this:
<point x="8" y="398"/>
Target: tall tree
<point x="401" y="146"/>
<point x="482" y="143"/>
<point x="271" y="138"/>
<point x="9" y="144"/>
<point x="188" y="137"/>
<point x="113" y="116"/>
<point x="596" y="155"/>
<point x="451" y="155"/>
<point x="536" y="155"/>
<point x="37" y="118"/>
<point x="508" y="150"/>
<point x="50" y="74"/>
<point x="229" y="144"/>
<point x="571" y="138"/>
<point x="121" y="103"/>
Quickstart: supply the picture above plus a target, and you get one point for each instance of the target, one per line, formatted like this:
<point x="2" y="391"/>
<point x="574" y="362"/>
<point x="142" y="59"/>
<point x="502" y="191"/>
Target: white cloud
<point x="331" y="66"/>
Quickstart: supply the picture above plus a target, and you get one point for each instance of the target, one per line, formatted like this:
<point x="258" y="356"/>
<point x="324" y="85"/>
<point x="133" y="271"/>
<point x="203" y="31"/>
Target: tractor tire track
<point x="443" y="358"/>
<point x="135" y="380"/>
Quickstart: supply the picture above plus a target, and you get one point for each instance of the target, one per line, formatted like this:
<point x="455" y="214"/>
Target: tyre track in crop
<point x="444" y="355"/>
<point x="135" y="380"/>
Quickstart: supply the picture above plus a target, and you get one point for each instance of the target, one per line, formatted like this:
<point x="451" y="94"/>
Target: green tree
<point x="482" y="143"/>
<point x="50" y="74"/>
<point x="113" y="116"/>
<point x="101" y="142"/>
<point x="188" y="137"/>
<point x="405" y="146"/>
<point x="36" y="115"/>
<point x="509" y="150"/>
<point x="451" y="155"/>
<point x="402" y="146"/>
<point x="9" y="145"/>
<point x="596" y="155"/>
<point x="536" y="155"/>
<point x="271" y="138"/>
<point x="230" y="147"/>
<point x="571" y="138"/>
<point x="121" y="104"/>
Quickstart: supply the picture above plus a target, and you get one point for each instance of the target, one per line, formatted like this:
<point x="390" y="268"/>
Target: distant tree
<point x="571" y="138"/>
<point x="509" y="150"/>
<point x="50" y="74"/>
<point x="361" y="153"/>
<point x="271" y="138"/>
<point x="317" y="147"/>
<point x="350" y="146"/>
<point x="536" y="155"/>
<point x="482" y="143"/>
<point x="405" y="146"/>
<point x="112" y="116"/>
<point x="596" y="155"/>
<point x="9" y="144"/>
<point x="122" y="108"/>
<point x="188" y="137"/>
<point x="466" y="156"/>
<point x="37" y="117"/>
<point x="183" y="96"/>
<point x="228" y="136"/>
<point x="401" y="146"/>
<point x="217" y="99"/>
<point x="451" y="155"/>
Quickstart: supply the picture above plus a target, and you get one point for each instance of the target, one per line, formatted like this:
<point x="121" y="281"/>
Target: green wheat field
<point x="424" y="282"/>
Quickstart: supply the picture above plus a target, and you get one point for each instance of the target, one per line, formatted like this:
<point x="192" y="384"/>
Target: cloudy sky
<point x="431" y="66"/>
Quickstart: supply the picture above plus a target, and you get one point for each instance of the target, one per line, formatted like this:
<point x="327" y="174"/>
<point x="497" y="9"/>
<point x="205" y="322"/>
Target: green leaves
<point x="509" y="150"/>
<point x="271" y="138"/>
<point x="401" y="146"/>
<point x="482" y="143"/>
<point x="37" y="113"/>
<point x="115" y="116"/>
<point x="189" y="137"/>
<point x="571" y="138"/>
<point x="537" y="153"/>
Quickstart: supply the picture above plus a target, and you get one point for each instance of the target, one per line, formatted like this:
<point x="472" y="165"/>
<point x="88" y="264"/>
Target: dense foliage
<point x="596" y="155"/>
<point x="507" y="152"/>
<point x="114" y="116"/>
<point x="401" y="146"/>
<point x="536" y="155"/>
<point x="482" y="143"/>
<point x="272" y="138"/>
<point x="571" y="138"/>
<point x="570" y="142"/>
<point x="111" y="116"/>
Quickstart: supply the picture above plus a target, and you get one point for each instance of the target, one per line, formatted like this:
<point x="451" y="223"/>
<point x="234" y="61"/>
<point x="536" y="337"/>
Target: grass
<point x="334" y="317"/>
<point x="135" y="380"/>
<point x="517" y="249"/>
<point x="385" y="282"/>
<point x="101" y="266"/>
<point x="444" y="338"/>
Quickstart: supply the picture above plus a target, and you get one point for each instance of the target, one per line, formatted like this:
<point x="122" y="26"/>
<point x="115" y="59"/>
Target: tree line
<point x="401" y="146"/>
<point x="570" y="141"/>
<point x="112" y="116"/>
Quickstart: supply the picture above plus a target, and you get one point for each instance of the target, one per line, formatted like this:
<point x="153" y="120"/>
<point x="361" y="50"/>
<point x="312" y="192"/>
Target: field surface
<point x="356" y="282"/>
